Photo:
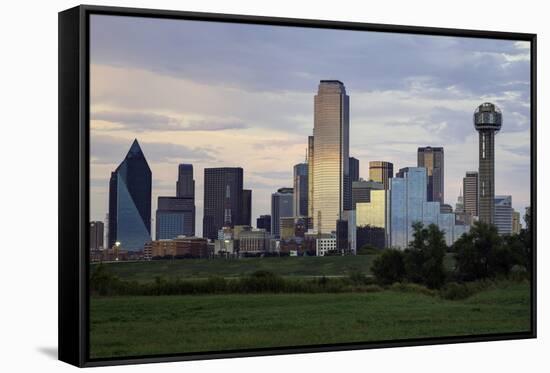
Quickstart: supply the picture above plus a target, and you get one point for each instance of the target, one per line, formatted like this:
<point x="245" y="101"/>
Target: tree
<point x="389" y="267"/>
<point x="424" y="256"/>
<point x="479" y="254"/>
<point x="525" y="237"/>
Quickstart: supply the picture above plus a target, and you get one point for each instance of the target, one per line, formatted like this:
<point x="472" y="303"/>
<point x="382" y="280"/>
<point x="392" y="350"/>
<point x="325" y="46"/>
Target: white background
<point x="28" y="169"/>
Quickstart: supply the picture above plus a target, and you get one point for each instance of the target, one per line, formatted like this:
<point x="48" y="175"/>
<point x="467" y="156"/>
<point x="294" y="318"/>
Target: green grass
<point x="132" y="326"/>
<point x="203" y="268"/>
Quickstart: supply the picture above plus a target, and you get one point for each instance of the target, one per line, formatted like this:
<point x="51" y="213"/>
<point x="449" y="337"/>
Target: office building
<point x="281" y="207"/>
<point x="445" y="208"/>
<point x="350" y="217"/>
<point x="471" y="193"/>
<point x="287" y="228"/>
<point x="487" y="121"/>
<point x="433" y="160"/>
<point x="223" y="199"/>
<point x="175" y="217"/>
<point x="247" y="207"/>
<point x="130" y="201"/>
<point x="254" y="241"/>
<point x="96" y="235"/>
<point x="264" y="222"/>
<point x="325" y="245"/>
<point x="409" y="204"/>
<point x="331" y="189"/>
<point x="372" y="220"/>
<point x="516" y="222"/>
<point x="310" y="158"/>
<point x="342" y="233"/>
<point x="360" y="191"/>
<point x="301" y="190"/>
<point x="185" y="186"/>
<point x="353" y="169"/>
<point x="503" y="214"/>
<point x="381" y="172"/>
<point x="180" y="247"/>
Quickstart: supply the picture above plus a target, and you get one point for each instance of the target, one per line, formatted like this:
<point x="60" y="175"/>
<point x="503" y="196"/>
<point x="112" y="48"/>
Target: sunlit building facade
<point x="432" y="158"/>
<point x="331" y="187"/>
<point x="372" y="219"/>
<point x="381" y="172"/>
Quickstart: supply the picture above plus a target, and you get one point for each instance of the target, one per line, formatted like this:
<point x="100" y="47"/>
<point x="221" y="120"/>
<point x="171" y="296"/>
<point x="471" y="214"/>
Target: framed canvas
<point x="236" y="186"/>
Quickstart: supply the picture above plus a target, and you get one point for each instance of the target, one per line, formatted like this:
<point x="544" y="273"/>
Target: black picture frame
<point x="74" y="181"/>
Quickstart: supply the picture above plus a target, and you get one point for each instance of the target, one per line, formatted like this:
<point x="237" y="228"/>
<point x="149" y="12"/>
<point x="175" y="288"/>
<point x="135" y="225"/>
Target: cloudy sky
<point x="221" y="94"/>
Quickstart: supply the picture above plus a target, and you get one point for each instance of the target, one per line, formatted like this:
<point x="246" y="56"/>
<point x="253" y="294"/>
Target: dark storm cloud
<point x="288" y="58"/>
<point x="112" y="150"/>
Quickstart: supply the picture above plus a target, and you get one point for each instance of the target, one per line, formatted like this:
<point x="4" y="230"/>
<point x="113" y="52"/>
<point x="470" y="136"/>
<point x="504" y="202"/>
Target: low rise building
<point x="180" y="247"/>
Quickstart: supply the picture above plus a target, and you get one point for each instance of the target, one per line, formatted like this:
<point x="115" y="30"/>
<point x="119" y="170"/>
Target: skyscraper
<point x="223" y="199"/>
<point x="130" y="201"/>
<point x="310" y="159"/>
<point x="185" y="186"/>
<point x="471" y="193"/>
<point x="247" y="207"/>
<point x="175" y="217"/>
<point x="487" y="121"/>
<point x="264" y="222"/>
<point x="503" y="218"/>
<point x="409" y="204"/>
<point x="516" y="222"/>
<point x="381" y="171"/>
<point x="96" y="235"/>
<point x="331" y="189"/>
<point x="281" y="207"/>
<point x="433" y="160"/>
<point x="353" y="169"/>
<point x="301" y="190"/>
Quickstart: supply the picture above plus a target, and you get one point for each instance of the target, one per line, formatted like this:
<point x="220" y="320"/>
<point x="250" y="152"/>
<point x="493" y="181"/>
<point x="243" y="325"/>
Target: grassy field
<point x="203" y="268"/>
<point x="123" y="326"/>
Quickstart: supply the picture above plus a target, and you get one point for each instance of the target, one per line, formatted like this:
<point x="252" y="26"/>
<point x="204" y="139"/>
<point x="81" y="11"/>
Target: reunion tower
<point x="487" y="121"/>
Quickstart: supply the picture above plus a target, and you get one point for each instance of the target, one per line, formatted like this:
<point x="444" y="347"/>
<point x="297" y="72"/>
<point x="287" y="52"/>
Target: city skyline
<point x="388" y="119"/>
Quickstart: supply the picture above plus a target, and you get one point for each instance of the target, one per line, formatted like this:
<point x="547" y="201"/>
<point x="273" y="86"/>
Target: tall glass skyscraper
<point x="487" y="121"/>
<point x="301" y="190"/>
<point x="409" y="204"/>
<point x="223" y="199"/>
<point x="331" y="189"/>
<point x="130" y="201"/>
<point x="433" y="160"/>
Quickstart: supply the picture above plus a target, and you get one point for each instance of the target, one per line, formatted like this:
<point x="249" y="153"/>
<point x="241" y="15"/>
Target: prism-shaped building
<point x="130" y="201"/>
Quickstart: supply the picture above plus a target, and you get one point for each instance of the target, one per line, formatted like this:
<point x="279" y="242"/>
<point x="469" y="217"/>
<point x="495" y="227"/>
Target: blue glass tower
<point x="130" y="201"/>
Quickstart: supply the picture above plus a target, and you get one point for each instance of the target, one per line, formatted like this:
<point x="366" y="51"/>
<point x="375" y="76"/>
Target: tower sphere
<point x="487" y="117"/>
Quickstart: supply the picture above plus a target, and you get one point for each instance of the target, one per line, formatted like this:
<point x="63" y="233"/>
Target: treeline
<point x="104" y="283"/>
<point x="481" y="256"/>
